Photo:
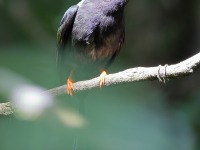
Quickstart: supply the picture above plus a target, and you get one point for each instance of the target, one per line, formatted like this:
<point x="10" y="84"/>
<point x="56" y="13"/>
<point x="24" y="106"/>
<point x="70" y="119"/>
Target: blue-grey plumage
<point x="90" y="35"/>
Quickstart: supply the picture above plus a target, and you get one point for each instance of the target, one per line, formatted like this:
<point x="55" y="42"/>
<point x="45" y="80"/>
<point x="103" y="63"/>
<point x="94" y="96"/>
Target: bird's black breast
<point x="94" y="33"/>
<point x="98" y="36"/>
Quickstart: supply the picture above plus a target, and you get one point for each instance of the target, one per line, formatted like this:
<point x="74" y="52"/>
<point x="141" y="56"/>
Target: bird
<point x="90" y="35"/>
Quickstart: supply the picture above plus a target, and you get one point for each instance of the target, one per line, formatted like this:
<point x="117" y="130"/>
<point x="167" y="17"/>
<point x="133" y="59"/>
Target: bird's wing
<point x="66" y="25"/>
<point x="64" y="36"/>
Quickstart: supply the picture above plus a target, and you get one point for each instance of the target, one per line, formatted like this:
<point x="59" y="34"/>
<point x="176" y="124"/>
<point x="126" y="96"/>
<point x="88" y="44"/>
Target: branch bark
<point x="162" y="73"/>
<point x="6" y="109"/>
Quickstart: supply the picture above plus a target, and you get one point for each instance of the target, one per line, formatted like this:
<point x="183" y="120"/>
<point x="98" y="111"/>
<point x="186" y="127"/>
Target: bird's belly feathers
<point x="100" y="49"/>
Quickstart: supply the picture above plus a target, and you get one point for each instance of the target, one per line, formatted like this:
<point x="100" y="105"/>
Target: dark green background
<point x="134" y="116"/>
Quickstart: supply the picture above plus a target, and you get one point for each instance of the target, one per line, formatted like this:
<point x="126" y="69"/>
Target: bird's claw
<point x="69" y="86"/>
<point x="102" y="78"/>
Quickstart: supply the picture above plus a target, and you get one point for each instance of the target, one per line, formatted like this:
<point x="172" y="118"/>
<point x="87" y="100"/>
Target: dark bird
<point x="90" y="36"/>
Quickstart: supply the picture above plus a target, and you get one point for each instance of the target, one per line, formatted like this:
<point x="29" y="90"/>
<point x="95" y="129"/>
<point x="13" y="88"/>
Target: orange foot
<point x="69" y="86"/>
<point x="102" y="78"/>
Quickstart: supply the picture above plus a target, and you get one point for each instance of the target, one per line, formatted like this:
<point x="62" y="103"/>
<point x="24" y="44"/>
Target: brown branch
<point x="162" y="73"/>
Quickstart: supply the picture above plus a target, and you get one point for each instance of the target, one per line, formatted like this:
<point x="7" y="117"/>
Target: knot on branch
<point x="162" y="73"/>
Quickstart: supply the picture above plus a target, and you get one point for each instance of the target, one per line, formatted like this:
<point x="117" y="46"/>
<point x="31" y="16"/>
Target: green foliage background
<point x="140" y="116"/>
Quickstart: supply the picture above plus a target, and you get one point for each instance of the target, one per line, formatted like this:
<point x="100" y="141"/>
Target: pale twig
<point x="162" y="73"/>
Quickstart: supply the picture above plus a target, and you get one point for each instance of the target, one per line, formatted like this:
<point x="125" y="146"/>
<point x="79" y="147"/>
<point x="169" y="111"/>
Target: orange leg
<point x="102" y="78"/>
<point x="69" y="85"/>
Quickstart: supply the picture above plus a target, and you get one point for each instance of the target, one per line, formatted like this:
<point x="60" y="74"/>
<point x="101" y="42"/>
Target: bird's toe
<point x="69" y="86"/>
<point x="102" y="78"/>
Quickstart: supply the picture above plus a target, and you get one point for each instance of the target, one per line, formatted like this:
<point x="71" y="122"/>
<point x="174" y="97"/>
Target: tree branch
<point x="162" y="73"/>
<point x="6" y="109"/>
